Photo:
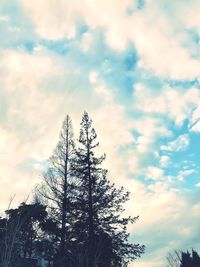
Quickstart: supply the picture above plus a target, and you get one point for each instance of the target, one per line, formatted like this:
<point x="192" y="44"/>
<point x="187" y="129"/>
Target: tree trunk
<point x="90" y="200"/>
<point x="64" y="204"/>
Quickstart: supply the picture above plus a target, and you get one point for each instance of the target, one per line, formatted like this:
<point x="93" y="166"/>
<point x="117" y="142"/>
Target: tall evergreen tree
<point x="58" y="185"/>
<point x="99" y="207"/>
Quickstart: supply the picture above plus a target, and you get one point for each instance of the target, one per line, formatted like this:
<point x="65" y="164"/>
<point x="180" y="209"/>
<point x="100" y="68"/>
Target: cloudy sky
<point x="134" y="66"/>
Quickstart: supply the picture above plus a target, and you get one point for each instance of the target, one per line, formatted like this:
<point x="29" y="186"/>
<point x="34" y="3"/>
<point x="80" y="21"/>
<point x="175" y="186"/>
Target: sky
<point x="134" y="66"/>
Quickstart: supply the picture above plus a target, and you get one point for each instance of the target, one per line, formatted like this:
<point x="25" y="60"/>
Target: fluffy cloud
<point x="154" y="173"/>
<point x="165" y="209"/>
<point x="189" y="15"/>
<point x="36" y="109"/>
<point x="175" y="104"/>
<point x="164" y="161"/>
<point x="150" y="130"/>
<point x="55" y="20"/>
<point x="195" y="120"/>
<point x="151" y="37"/>
<point x="34" y="101"/>
<point x="180" y="144"/>
<point x="184" y="173"/>
<point x="26" y="109"/>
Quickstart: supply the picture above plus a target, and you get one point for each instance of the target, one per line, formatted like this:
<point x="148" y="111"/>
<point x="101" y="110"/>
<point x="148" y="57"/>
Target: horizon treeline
<point x="183" y="259"/>
<point x="76" y="218"/>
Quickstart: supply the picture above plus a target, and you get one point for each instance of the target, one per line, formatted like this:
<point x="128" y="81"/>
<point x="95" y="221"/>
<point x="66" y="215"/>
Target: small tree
<point x="174" y="259"/>
<point x="9" y="230"/>
<point x="183" y="259"/>
<point x="30" y="217"/>
<point x="19" y="232"/>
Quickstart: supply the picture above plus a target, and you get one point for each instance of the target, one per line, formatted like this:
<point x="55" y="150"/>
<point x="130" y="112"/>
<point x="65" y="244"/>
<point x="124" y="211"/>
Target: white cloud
<point x="159" y="39"/>
<point x="155" y="40"/>
<point x="198" y="184"/>
<point x="113" y="130"/>
<point x="35" y="111"/>
<point x="143" y="143"/>
<point x="162" y="102"/>
<point x="14" y="29"/>
<point x="195" y="119"/>
<point x="149" y="129"/>
<point x="93" y="76"/>
<point x="133" y="162"/>
<point x="4" y="18"/>
<point x="164" y="161"/>
<point x="57" y="19"/>
<point x="189" y="15"/>
<point x="155" y="173"/>
<point x="184" y="173"/>
<point x="196" y="208"/>
<point x="180" y="144"/>
<point x="38" y="48"/>
<point x="159" y="187"/>
<point x="53" y="20"/>
<point x="160" y="210"/>
<point x="28" y="108"/>
<point x="86" y="42"/>
<point x="36" y="99"/>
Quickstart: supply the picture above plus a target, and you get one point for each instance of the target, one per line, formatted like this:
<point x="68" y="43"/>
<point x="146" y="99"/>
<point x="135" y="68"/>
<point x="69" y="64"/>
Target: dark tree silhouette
<point x="85" y="225"/>
<point x="57" y="188"/>
<point x="99" y="207"/>
<point x="77" y="217"/>
<point x="19" y="233"/>
<point x="195" y="259"/>
<point x="183" y="259"/>
<point x="190" y="259"/>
